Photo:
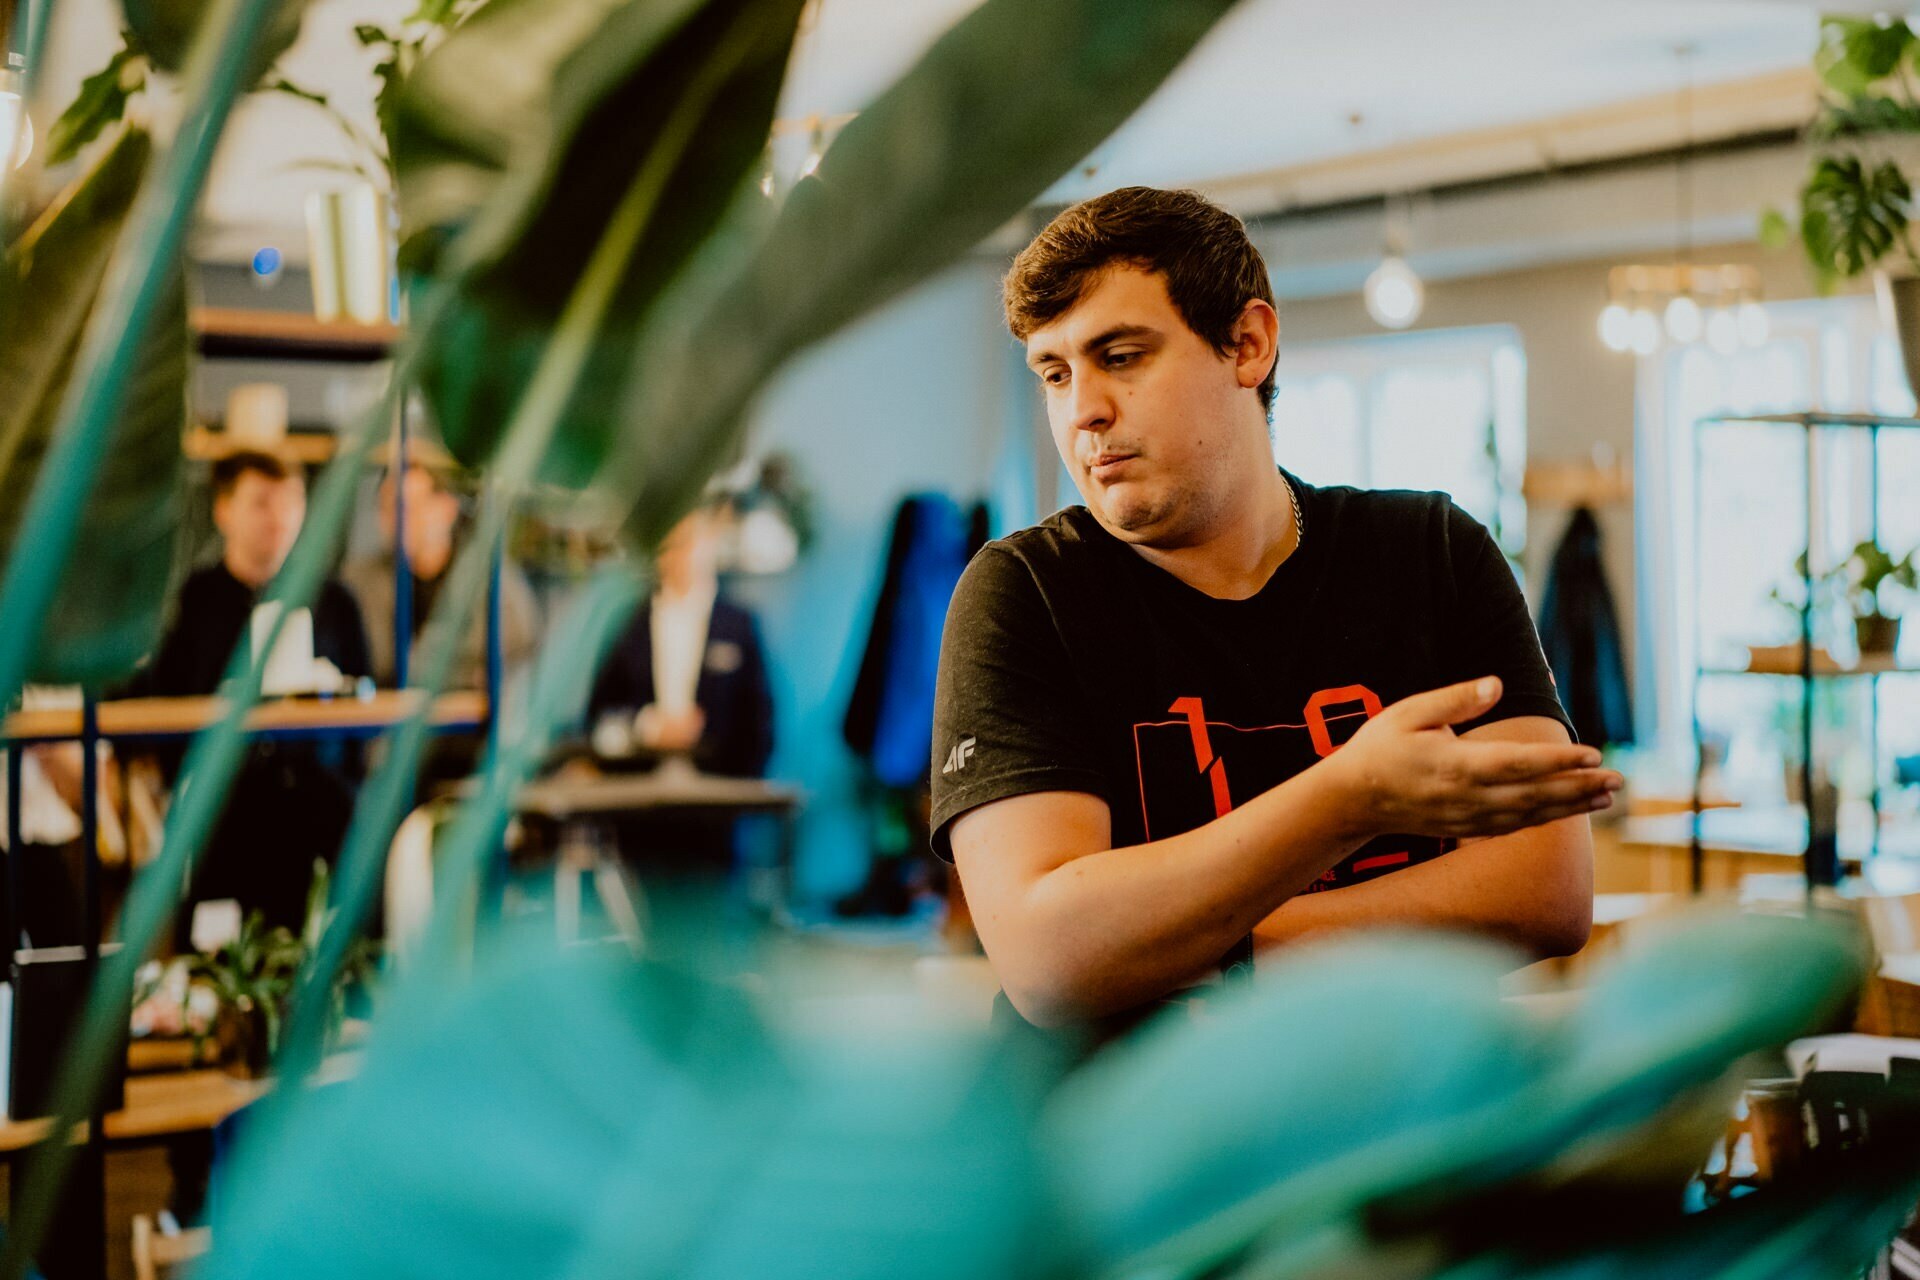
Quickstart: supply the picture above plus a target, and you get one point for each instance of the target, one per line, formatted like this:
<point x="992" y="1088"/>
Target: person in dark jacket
<point x="291" y="801"/>
<point x="687" y="681"/>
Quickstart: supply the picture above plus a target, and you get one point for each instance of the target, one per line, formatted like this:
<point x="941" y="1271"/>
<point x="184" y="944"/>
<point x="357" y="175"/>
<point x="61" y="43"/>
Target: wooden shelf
<point x="289" y="335"/>
<point x="1784" y="660"/>
<point x="309" y="448"/>
<point x="1819" y="420"/>
<point x="179" y="717"/>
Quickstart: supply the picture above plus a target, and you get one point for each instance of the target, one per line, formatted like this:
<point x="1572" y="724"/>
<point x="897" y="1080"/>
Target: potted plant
<point x="1856" y="201"/>
<point x="255" y="974"/>
<point x="1863" y="586"/>
<point x="1869" y="571"/>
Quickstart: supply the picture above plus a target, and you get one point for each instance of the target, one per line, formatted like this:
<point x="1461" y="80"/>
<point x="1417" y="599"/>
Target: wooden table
<point x="157" y="1106"/>
<point x="569" y="795"/>
<point x="128" y="718"/>
<point x="1736" y="843"/>
<point x="580" y="793"/>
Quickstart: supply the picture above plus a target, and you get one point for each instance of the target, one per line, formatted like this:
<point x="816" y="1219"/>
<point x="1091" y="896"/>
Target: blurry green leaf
<point x="112" y="597"/>
<point x="590" y="1116"/>
<point x="165" y="29"/>
<point x="1342" y="1069"/>
<point x="1002" y="105"/>
<point x="1852" y="216"/>
<point x="1865" y="115"/>
<point x="1775" y="231"/>
<point x="1357" y="1128"/>
<point x="1855" y="52"/>
<point x="510" y="190"/>
<point x="102" y="101"/>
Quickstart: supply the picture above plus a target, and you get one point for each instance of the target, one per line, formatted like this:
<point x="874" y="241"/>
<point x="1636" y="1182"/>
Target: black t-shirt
<point x="1069" y="663"/>
<point x="216" y="609"/>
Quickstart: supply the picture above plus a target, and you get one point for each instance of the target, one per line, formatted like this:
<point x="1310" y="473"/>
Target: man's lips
<point x="1106" y="466"/>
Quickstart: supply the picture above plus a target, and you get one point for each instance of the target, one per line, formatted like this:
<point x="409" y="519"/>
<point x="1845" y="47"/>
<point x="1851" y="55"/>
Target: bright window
<point x="1706" y="572"/>
<point x="1440" y="411"/>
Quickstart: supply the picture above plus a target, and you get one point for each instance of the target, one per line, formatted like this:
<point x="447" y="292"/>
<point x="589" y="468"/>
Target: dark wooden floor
<point x="137" y="1182"/>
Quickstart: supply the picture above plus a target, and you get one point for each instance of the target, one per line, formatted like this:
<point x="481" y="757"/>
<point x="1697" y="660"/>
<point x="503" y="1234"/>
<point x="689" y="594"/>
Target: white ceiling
<point x="1275" y="85"/>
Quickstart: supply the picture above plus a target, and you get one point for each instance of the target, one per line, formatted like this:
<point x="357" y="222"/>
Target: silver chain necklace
<point x="1299" y="520"/>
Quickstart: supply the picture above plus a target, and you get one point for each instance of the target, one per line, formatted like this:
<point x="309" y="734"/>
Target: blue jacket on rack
<point x="889" y="719"/>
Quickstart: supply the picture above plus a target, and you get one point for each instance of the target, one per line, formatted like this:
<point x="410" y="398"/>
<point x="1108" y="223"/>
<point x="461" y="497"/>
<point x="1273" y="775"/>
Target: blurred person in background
<point x="291" y="801"/>
<point x="686" y="681"/>
<point x="434" y="519"/>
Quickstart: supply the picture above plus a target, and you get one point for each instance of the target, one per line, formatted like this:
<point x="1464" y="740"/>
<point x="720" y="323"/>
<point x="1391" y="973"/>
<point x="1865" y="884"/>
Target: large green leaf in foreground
<point x="113" y="594"/>
<point x="593" y="1117"/>
<point x="1002" y="105"/>
<point x="164" y="30"/>
<point x="517" y="139"/>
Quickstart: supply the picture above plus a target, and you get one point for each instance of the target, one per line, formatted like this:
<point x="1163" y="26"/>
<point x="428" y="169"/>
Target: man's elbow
<point x="1562" y="927"/>
<point x="1047" y="999"/>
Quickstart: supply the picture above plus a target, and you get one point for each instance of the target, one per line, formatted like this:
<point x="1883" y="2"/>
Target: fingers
<point x="1576" y="786"/>
<point x="1452" y="705"/>
<point x="1506" y="823"/>
<point x="1503" y="810"/>
<point x="1491" y="763"/>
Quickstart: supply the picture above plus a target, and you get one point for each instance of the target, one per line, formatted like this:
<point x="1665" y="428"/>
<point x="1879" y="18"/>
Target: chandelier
<point x="1683" y="302"/>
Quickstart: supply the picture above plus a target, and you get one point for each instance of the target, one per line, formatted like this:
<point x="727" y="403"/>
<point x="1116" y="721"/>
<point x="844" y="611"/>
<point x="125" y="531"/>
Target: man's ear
<point x="1256" y="342"/>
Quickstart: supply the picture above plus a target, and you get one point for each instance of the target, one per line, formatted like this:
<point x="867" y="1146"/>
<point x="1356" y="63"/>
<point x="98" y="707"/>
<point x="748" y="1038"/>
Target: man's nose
<point x="1090" y="403"/>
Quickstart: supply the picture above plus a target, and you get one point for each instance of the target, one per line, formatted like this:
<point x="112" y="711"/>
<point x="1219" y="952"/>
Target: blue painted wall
<point x="929" y="394"/>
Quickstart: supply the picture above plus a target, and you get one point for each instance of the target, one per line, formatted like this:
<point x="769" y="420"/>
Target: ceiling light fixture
<point x="1683" y="302"/>
<point x="1394" y="293"/>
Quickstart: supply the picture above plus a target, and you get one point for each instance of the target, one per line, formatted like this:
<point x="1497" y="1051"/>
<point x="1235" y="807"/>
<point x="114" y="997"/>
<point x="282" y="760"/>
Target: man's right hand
<point x="1406" y="772"/>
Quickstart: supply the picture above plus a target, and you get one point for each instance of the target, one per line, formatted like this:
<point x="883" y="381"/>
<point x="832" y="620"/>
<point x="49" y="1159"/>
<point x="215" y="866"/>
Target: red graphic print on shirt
<point x="1194" y="769"/>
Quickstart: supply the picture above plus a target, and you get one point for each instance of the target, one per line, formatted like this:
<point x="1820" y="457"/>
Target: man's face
<point x="260" y="518"/>
<point x="1142" y="409"/>
<point x="432" y="513"/>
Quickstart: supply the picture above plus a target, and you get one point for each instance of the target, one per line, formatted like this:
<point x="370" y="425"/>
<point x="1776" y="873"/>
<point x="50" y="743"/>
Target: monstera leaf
<point x="1851" y="216"/>
<point x="516" y="142"/>
<point x="112" y="596"/>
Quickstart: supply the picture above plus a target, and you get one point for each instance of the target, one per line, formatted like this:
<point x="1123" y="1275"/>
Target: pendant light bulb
<point x="1616" y="327"/>
<point x="1645" y="336"/>
<point x="1754" y="325"/>
<point x="1394" y="294"/>
<point x="1683" y="319"/>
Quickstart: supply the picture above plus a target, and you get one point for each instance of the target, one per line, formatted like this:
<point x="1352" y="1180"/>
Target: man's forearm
<point x="1533" y="888"/>
<point x="1125" y="926"/>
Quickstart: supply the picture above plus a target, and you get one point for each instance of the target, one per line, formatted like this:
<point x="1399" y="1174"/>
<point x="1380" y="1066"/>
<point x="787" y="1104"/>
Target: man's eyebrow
<point x="1116" y="334"/>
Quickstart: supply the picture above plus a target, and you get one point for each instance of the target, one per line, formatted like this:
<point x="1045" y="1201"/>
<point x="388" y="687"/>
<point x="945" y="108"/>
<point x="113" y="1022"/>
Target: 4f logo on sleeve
<point x="958" y="757"/>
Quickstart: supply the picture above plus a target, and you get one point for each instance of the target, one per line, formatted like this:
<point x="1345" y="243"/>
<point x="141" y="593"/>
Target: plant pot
<point x="245" y="1049"/>
<point x="1899" y="297"/>
<point x="1878" y="635"/>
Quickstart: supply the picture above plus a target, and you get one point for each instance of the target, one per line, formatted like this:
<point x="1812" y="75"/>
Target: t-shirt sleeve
<point x="1491" y="633"/>
<point x="1008" y="717"/>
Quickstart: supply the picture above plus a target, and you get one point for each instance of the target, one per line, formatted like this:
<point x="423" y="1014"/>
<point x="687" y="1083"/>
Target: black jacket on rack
<point x="1580" y="634"/>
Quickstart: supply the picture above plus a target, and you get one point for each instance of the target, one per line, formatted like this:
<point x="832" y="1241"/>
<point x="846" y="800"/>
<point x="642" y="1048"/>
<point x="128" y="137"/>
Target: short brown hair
<point x="1211" y="268"/>
<point x="228" y="470"/>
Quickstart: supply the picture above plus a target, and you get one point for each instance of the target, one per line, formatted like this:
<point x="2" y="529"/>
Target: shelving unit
<point x="227" y="333"/>
<point x="1820" y="858"/>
